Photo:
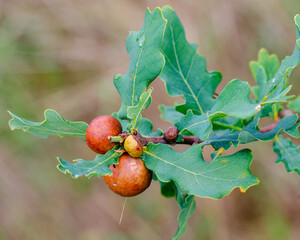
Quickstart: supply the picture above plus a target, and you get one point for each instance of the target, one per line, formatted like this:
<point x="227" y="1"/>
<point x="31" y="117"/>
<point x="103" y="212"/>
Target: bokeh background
<point x="62" y="54"/>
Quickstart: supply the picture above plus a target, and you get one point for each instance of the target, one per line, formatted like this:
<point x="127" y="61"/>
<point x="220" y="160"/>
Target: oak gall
<point x="99" y="131"/>
<point x="133" y="146"/>
<point x="130" y="176"/>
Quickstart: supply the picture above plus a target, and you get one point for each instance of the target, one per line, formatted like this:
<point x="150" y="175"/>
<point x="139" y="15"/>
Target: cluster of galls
<point x="130" y="176"/>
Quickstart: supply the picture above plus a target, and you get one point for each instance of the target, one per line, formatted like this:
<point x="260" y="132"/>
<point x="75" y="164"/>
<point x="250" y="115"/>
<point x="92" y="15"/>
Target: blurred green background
<point x="62" y="54"/>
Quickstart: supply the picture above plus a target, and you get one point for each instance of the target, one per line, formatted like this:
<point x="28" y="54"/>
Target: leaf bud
<point x="171" y="134"/>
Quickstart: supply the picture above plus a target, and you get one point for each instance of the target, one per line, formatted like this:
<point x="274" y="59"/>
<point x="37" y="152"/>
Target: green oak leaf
<point x="270" y="110"/>
<point x="199" y="125"/>
<point x="268" y="62"/>
<point x="98" y="166"/>
<point x="171" y="189"/>
<point x="277" y="86"/>
<point x="232" y="123"/>
<point x="186" y="203"/>
<point x="124" y="122"/>
<point x="251" y="133"/>
<point x="146" y="60"/>
<point x="295" y="105"/>
<point x="278" y="97"/>
<point x="293" y="131"/>
<point x="145" y="128"/>
<point x="272" y="79"/>
<point x="185" y="72"/>
<point x="264" y="71"/>
<point x="53" y="124"/>
<point x="154" y="177"/>
<point x="288" y="153"/>
<point x="262" y="83"/>
<point x="197" y="177"/>
<point x="170" y="114"/>
<point x="168" y="189"/>
<point x="135" y="112"/>
<point x="233" y="101"/>
<point x="188" y="206"/>
<point x="255" y="91"/>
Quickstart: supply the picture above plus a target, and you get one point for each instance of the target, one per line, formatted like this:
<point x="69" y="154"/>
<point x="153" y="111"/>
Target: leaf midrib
<point x="135" y="75"/>
<point x="89" y="170"/>
<point x="141" y="109"/>
<point x="181" y="74"/>
<point x="39" y="125"/>
<point x="100" y="163"/>
<point x="194" y="173"/>
<point x="193" y="125"/>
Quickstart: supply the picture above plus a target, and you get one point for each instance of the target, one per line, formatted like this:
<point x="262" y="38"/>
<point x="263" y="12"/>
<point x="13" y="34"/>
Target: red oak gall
<point x="99" y="131"/>
<point x="130" y="176"/>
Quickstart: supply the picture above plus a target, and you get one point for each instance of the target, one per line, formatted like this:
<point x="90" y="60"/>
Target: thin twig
<point x="186" y="140"/>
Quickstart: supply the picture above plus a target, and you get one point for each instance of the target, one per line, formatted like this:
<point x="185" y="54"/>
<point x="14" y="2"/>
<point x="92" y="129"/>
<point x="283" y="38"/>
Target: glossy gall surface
<point x="133" y="147"/>
<point x="99" y="131"/>
<point x="130" y="176"/>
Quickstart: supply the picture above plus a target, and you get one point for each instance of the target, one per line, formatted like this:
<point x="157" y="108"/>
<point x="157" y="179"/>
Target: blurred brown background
<point x="62" y="54"/>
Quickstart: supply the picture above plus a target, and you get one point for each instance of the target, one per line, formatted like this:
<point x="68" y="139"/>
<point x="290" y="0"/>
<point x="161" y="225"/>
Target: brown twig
<point x="282" y="114"/>
<point x="268" y="128"/>
<point x="186" y="140"/>
<point x="189" y="140"/>
<point x="171" y="134"/>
